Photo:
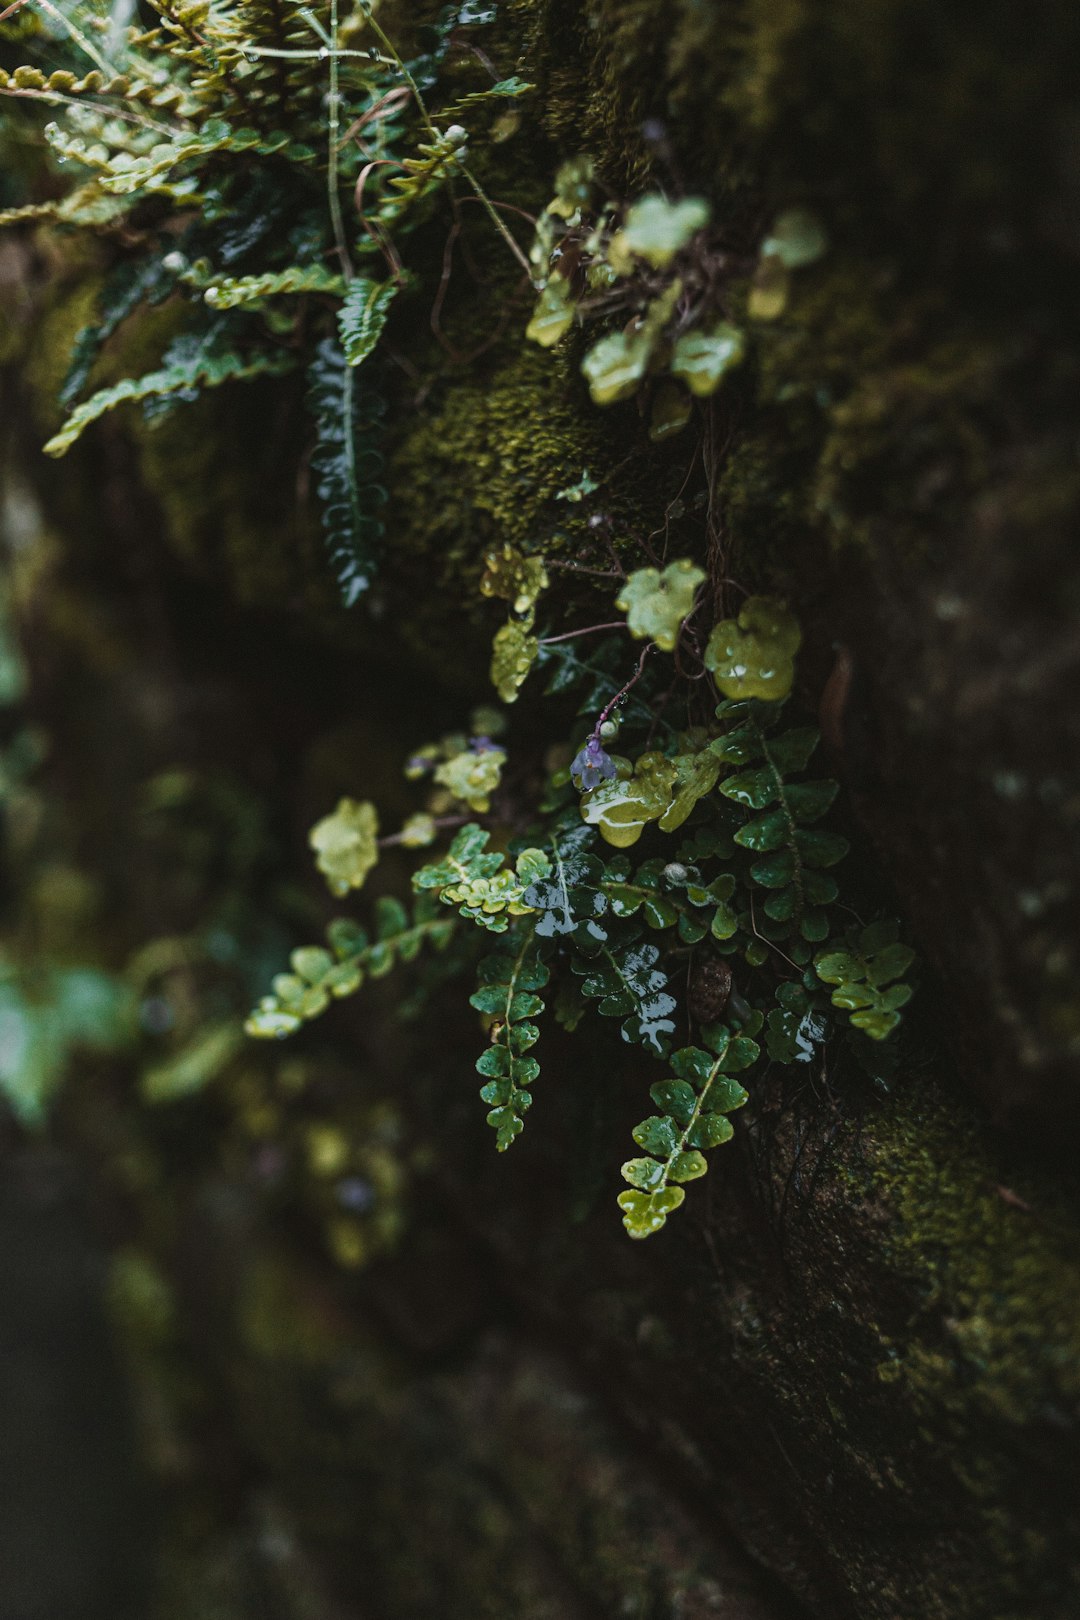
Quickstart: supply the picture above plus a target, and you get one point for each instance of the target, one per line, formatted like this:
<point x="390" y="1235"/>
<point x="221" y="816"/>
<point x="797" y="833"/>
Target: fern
<point x="126" y="287"/>
<point x="627" y="980"/>
<point x="214" y="148"/>
<point x="347" y="462"/>
<point x="508" y="982"/>
<point x="187" y="370"/>
<point x="230" y="292"/>
<point x="362" y="316"/>
<point x="320" y="975"/>
<point x="867" y="973"/>
<point x="505" y="90"/>
<point x="793" y="855"/>
<point x="479" y="883"/>
<point x="696" y="1103"/>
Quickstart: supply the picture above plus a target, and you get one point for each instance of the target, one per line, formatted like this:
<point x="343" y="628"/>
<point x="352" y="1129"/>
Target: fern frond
<point x="627" y="980"/>
<point x="362" y="316"/>
<point x="695" y="1103"/>
<point x="346" y="462"/>
<point x="145" y="280"/>
<point x="123" y="173"/>
<point x="479" y="882"/>
<point x="320" y="975"/>
<point x="181" y="375"/>
<point x="229" y="292"/>
<point x="507" y="990"/>
<point x="792" y="854"/>
<point x="505" y="90"/>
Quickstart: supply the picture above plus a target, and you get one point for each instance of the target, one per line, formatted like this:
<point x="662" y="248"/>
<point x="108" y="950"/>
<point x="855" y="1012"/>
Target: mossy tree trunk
<point x="847" y="1384"/>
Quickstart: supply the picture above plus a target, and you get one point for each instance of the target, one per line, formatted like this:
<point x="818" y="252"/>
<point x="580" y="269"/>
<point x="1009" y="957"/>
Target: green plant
<point x="734" y="894"/>
<point x="257" y="166"/>
<point x="260" y="166"/>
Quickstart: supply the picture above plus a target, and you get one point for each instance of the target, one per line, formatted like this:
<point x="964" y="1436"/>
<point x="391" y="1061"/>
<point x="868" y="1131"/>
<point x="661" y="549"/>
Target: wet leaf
<point x="473" y="776"/>
<point x="656" y="603"/>
<point x="621" y="809"/>
<point x="518" y="579"/>
<point x="345" y="845"/>
<point x="702" y="360"/>
<point x="753" y="656"/>
<point x="514" y="651"/>
<point x="645" y="1213"/>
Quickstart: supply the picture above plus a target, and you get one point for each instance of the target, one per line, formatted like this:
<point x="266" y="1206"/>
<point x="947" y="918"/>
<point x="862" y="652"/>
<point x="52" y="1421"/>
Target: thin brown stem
<point x="590" y="629"/>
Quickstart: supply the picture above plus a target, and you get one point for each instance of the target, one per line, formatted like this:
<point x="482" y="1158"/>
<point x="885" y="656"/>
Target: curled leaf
<point x="362" y="316"/>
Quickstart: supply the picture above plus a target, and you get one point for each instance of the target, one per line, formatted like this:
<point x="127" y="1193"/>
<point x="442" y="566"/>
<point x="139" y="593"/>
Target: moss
<point x="1007" y="1276"/>
<point x="483" y="466"/>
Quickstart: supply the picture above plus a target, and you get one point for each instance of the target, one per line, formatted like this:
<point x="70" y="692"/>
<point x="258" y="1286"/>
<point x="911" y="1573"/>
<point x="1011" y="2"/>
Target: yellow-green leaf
<point x="622" y="807"/>
<point x="513" y="576"/>
<point x="614" y="367"/>
<point x="656" y="230"/>
<point x="346" y="845"/>
<point x="514" y="651"/>
<point x="554" y="313"/>
<point x="754" y="656"/>
<point x="656" y="603"/>
<point x="702" y="359"/>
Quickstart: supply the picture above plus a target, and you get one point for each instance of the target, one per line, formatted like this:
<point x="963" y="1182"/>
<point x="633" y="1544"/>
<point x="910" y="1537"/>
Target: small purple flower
<point x="482" y="745"/>
<point x="356" y="1193"/>
<point x="591" y="766"/>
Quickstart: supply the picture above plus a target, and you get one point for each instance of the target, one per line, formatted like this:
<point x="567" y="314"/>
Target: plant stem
<point x="333" y="115"/>
<point x="79" y="37"/>
<point x="590" y="629"/>
<point x="388" y="46"/>
<point x="635" y="677"/>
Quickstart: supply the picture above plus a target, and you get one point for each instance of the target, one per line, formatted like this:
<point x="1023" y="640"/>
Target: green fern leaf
<point x="695" y="1102"/>
<point x="229" y="292"/>
<point x="319" y="974"/>
<point x="347" y="462"/>
<point x="508" y="982"/>
<point x="362" y="316"/>
<point x="186" y="372"/>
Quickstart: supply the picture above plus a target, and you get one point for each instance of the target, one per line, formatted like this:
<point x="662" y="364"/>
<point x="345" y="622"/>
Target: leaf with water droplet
<point x="754" y="656"/>
<point x="656" y="603"/>
<point x="623" y="808"/>
<point x="514" y="651"/>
